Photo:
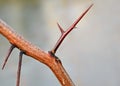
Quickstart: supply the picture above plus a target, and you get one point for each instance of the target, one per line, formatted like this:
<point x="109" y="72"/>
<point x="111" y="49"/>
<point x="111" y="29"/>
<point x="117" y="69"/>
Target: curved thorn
<point x="9" y="52"/>
<point x="19" y="68"/>
<point x="62" y="31"/>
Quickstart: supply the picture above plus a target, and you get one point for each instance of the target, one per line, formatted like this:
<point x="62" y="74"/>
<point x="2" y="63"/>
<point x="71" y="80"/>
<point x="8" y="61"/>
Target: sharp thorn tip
<point x="9" y="52"/>
<point x="62" y="31"/>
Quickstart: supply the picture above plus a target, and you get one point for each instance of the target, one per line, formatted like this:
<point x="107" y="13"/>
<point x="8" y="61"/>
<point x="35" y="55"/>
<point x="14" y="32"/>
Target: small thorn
<point x="19" y="68"/>
<point x="62" y="31"/>
<point x="8" y="54"/>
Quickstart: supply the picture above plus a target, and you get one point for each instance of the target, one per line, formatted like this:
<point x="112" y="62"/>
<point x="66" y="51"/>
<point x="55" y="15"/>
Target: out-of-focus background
<point x="90" y="54"/>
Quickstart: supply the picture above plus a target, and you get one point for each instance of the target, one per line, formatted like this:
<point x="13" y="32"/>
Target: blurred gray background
<point x="90" y="54"/>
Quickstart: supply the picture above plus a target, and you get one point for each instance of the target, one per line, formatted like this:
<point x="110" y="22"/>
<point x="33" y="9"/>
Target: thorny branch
<point x="65" y="33"/>
<point x="49" y="59"/>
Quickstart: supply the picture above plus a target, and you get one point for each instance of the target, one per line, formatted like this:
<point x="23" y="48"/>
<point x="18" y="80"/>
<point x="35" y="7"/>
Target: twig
<point x="65" y="33"/>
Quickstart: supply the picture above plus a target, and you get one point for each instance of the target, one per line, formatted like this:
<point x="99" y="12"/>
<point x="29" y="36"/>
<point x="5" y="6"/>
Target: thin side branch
<point x="65" y="33"/>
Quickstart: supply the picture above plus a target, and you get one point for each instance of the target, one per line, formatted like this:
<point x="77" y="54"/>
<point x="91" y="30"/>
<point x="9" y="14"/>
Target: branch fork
<point x="49" y="59"/>
<point x="65" y="33"/>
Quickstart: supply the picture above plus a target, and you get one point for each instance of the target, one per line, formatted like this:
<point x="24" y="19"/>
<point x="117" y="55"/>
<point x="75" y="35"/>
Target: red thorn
<point x="9" y="52"/>
<point x="62" y="31"/>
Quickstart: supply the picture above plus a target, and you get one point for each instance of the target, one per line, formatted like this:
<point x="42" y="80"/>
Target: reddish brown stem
<point x="19" y="68"/>
<point x="65" y="33"/>
<point x="36" y="53"/>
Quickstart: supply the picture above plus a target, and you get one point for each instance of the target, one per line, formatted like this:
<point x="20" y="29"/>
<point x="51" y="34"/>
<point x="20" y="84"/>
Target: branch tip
<point x="65" y="33"/>
<point x="81" y="16"/>
<point x="8" y="54"/>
